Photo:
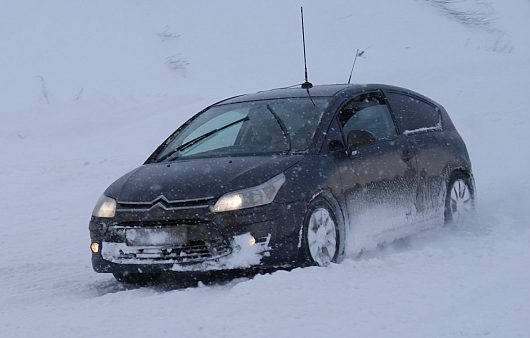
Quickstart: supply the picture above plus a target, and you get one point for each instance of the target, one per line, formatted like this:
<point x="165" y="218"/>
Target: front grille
<point x="192" y="252"/>
<point x="165" y="204"/>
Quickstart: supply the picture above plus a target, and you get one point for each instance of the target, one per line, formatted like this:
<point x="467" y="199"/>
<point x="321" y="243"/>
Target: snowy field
<point x="90" y="88"/>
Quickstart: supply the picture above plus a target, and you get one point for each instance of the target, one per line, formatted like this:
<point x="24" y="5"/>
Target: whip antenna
<point x="306" y="84"/>
<point x="357" y="54"/>
<point x="353" y="66"/>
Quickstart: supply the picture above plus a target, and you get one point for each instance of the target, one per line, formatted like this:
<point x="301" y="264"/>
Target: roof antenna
<point x="357" y="54"/>
<point x="306" y="84"/>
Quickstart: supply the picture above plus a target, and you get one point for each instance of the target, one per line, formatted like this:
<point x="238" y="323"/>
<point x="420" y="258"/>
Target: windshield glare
<point x="255" y="127"/>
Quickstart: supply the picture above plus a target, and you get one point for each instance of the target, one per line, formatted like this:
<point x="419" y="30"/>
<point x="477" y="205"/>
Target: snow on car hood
<point x="198" y="178"/>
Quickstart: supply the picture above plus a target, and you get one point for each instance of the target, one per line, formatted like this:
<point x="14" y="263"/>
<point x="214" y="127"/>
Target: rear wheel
<point x="321" y="234"/>
<point x="137" y="278"/>
<point x="459" y="199"/>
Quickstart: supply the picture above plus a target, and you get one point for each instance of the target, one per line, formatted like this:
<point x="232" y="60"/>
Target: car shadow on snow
<point x="178" y="281"/>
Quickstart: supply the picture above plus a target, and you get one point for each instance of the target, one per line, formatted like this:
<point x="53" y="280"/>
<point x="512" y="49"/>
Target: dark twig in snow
<point x="44" y="89"/>
<point x="77" y="97"/>
<point x="167" y="35"/>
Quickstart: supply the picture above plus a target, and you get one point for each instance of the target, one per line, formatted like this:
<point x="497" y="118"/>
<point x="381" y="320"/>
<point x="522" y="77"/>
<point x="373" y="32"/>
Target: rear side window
<point x="369" y="113"/>
<point x="414" y="115"/>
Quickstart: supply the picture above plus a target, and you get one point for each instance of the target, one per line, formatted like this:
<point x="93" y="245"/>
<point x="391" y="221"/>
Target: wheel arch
<point x="452" y="171"/>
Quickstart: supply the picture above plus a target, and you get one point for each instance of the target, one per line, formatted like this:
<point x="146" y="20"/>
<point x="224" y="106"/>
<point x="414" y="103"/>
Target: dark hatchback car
<point x="286" y="177"/>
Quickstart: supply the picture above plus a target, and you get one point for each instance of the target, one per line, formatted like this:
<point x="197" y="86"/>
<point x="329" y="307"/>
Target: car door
<point x="379" y="178"/>
<point x="420" y="122"/>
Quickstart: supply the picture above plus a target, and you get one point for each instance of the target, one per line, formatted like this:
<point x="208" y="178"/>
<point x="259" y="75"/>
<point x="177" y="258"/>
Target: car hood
<point x="188" y="179"/>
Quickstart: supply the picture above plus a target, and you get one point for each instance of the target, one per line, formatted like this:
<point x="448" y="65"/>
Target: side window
<point x="413" y="114"/>
<point x="368" y="113"/>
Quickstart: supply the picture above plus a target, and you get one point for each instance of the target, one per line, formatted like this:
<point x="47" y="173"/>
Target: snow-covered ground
<point x="89" y="88"/>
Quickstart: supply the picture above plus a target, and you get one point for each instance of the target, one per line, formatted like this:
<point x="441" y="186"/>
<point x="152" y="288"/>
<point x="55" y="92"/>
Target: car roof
<point x="317" y="91"/>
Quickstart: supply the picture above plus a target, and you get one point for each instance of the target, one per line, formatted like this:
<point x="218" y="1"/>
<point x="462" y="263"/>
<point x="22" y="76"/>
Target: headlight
<point x="251" y="197"/>
<point x="105" y="207"/>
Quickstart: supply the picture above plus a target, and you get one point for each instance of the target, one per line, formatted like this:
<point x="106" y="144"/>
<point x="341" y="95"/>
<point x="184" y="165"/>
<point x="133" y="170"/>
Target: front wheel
<point x="320" y="234"/>
<point x="460" y="198"/>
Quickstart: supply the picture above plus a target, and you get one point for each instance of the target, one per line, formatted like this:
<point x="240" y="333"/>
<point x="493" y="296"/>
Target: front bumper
<point x="205" y="241"/>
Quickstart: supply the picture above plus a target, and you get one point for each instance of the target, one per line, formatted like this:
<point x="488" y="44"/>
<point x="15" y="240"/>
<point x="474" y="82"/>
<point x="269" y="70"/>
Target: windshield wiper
<point x="282" y="126"/>
<point x="198" y="139"/>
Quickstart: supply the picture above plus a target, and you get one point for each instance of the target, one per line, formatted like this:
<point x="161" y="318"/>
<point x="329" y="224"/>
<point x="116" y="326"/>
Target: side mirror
<point x="358" y="138"/>
<point x="335" y="145"/>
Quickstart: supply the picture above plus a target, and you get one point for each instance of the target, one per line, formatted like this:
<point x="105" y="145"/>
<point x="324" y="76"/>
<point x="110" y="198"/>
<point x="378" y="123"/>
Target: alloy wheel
<point x="322" y="237"/>
<point x="461" y="202"/>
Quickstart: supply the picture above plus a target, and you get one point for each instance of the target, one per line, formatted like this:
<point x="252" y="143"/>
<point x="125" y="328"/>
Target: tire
<point x="320" y="236"/>
<point x="140" y="279"/>
<point x="459" y="198"/>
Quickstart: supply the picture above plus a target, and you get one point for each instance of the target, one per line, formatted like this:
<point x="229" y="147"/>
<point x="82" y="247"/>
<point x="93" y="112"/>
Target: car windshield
<point x="265" y="126"/>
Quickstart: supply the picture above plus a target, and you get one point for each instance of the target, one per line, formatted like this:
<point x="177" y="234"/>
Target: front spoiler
<point x="241" y="255"/>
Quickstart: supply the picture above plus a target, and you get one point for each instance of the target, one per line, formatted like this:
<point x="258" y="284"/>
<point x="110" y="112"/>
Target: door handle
<point x="407" y="155"/>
